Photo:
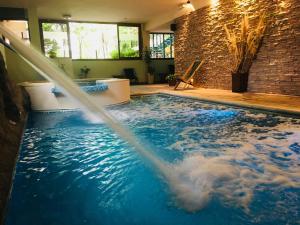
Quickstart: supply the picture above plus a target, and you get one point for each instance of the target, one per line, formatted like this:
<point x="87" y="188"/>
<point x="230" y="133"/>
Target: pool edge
<point x="229" y="103"/>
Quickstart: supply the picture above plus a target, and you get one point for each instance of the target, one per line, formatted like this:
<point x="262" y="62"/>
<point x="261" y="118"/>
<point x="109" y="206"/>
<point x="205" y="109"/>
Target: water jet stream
<point x="53" y="73"/>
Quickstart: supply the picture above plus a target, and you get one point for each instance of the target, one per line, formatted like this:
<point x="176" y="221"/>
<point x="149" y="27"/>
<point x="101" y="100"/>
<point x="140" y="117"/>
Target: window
<point x="94" y="41"/>
<point x="55" y="39"/>
<point x="85" y="40"/>
<point x="19" y="27"/>
<point x="162" y="45"/>
<point x="129" y="41"/>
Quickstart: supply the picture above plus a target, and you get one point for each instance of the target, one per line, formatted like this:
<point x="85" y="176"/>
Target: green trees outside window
<point x="129" y="42"/>
<point x="90" y="40"/>
<point x="55" y="39"/>
<point x="93" y="40"/>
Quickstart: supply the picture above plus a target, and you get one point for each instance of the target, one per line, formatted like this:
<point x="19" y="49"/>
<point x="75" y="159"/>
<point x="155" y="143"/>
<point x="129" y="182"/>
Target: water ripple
<point x="70" y="165"/>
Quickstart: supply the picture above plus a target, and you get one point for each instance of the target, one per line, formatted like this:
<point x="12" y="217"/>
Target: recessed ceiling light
<point x="67" y="16"/>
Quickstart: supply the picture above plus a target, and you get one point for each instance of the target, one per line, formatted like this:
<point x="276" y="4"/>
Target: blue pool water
<point x="245" y="164"/>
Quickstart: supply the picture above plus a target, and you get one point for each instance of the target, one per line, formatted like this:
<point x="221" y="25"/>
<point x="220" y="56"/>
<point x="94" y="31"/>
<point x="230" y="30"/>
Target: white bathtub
<point x="42" y="98"/>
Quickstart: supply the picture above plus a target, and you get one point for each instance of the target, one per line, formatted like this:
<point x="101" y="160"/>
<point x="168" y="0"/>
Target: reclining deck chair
<point x="189" y="74"/>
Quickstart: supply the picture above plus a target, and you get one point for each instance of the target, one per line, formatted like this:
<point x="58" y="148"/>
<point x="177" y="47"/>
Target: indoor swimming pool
<point x="243" y="164"/>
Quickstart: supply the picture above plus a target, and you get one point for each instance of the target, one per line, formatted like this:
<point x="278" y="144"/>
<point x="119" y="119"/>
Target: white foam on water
<point x="92" y="118"/>
<point x="231" y="175"/>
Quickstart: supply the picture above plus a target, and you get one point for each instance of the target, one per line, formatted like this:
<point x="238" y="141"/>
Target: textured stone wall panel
<point x="277" y="67"/>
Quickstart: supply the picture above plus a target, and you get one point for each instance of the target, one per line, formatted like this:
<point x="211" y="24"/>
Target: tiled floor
<point x="280" y="103"/>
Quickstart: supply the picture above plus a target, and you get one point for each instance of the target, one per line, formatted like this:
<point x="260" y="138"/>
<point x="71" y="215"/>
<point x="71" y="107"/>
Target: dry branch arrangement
<point x="243" y="47"/>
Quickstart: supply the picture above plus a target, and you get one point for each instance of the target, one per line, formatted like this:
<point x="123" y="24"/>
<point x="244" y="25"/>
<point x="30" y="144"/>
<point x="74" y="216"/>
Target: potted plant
<point x="51" y="47"/>
<point x="243" y="49"/>
<point x="84" y="72"/>
<point x="52" y="54"/>
<point x="171" y="78"/>
<point x="150" y="68"/>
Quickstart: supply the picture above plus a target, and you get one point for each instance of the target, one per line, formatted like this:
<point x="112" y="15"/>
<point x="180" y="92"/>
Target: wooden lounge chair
<point x="187" y="77"/>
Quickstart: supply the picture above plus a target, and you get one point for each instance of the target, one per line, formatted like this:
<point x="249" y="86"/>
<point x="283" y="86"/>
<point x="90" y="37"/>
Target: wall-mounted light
<point x="214" y="3"/>
<point x="188" y="5"/>
<point x="67" y="16"/>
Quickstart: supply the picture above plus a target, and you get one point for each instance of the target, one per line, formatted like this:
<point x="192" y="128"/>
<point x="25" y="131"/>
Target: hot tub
<point x="43" y="98"/>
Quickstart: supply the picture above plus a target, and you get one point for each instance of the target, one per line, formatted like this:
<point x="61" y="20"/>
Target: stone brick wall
<point x="277" y="67"/>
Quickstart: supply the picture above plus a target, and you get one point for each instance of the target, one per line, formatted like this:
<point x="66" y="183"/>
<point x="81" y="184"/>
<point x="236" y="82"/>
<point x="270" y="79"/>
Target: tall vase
<point x="239" y="82"/>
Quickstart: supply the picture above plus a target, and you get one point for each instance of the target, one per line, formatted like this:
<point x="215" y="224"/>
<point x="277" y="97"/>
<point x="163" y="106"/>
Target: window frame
<point x="167" y="33"/>
<point x="140" y="40"/>
<point x="41" y="21"/>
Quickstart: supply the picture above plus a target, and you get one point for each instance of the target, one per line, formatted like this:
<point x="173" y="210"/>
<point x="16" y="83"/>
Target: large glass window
<point x="94" y="41"/>
<point x="84" y="40"/>
<point x="55" y="39"/>
<point x="129" y="41"/>
<point x="162" y="45"/>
